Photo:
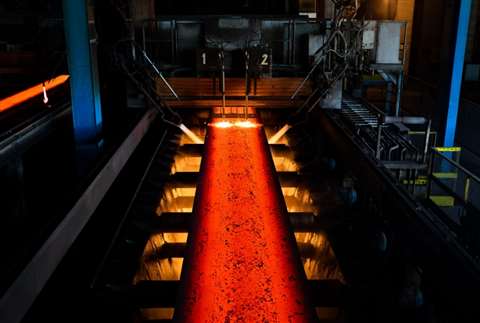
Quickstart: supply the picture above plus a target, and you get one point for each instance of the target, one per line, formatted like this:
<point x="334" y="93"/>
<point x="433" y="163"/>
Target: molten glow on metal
<point x="222" y="124"/>
<point x="242" y="264"/>
<point x="280" y="133"/>
<point x="195" y="139"/>
<point x="246" y="124"/>
<point x="238" y="124"/>
<point x="32" y="92"/>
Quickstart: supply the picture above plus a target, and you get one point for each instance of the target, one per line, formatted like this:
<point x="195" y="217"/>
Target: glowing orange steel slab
<point x="242" y="264"/>
<point x="32" y="92"/>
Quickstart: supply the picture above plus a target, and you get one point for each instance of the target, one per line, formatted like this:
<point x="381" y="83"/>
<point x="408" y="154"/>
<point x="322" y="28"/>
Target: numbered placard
<point x="265" y="60"/>
<point x="207" y="59"/>
<point x="260" y="59"/>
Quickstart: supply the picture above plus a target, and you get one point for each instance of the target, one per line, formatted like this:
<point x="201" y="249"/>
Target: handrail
<point x="160" y="75"/>
<point x="456" y="164"/>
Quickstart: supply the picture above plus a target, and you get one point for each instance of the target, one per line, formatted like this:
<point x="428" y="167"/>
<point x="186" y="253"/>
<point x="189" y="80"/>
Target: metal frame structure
<point x="150" y="32"/>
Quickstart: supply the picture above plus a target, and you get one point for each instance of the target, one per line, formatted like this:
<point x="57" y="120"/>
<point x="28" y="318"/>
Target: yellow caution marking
<point x="448" y="149"/>
<point x="443" y="201"/>
<point x="446" y="175"/>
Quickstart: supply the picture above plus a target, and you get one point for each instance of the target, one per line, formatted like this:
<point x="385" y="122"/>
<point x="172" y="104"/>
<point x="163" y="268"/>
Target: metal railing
<point x="452" y="188"/>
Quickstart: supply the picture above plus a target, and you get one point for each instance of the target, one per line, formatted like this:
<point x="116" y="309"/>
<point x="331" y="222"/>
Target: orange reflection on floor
<point x="30" y="93"/>
<point x="242" y="264"/>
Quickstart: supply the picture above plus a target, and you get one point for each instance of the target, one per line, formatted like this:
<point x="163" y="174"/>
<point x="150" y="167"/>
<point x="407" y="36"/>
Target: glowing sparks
<point x="276" y="137"/>
<point x="190" y="134"/>
<point x="32" y="92"/>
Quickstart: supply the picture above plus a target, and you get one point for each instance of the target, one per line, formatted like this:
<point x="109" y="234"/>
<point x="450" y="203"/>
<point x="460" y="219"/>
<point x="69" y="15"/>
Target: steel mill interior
<point x="246" y="161"/>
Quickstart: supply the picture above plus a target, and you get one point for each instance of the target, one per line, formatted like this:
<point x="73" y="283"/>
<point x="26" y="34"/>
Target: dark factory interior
<point x="240" y="161"/>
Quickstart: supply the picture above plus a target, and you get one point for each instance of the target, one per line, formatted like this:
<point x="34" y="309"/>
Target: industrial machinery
<point x="252" y="178"/>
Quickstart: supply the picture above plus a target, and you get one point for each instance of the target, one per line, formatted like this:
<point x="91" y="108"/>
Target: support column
<point x="86" y="107"/>
<point x="457" y="73"/>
